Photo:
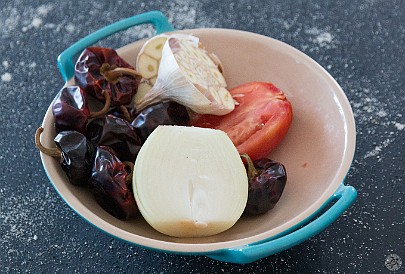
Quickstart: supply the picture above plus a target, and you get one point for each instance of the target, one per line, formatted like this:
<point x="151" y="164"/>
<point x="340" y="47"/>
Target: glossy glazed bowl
<point x="317" y="150"/>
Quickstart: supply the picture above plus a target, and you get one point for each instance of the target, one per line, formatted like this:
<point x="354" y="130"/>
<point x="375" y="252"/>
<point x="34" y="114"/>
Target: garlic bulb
<point x="186" y="73"/>
<point x="189" y="181"/>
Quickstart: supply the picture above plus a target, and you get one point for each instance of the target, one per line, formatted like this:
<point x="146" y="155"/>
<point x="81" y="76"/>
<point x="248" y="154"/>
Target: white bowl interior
<point x="317" y="150"/>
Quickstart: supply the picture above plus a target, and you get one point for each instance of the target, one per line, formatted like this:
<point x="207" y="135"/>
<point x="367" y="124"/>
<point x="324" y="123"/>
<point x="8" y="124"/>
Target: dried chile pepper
<point x="111" y="184"/>
<point x="102" y="69"/>
<point x="267" y="180"/>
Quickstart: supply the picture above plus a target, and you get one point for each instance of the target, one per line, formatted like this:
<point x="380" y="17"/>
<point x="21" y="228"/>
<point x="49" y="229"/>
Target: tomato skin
<point x="258" y="123"/>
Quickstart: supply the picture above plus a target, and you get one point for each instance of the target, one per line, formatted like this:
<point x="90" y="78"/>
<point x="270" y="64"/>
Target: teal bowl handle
<point x="343" y="198"/>
<point x="156" y="18"/>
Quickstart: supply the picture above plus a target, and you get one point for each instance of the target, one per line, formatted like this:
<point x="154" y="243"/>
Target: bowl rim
<point x="200" y="248"/>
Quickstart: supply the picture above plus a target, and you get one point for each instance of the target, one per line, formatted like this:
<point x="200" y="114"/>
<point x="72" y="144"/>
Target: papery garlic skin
<point x="190" y="182"/>
<point x="189" y="76"/>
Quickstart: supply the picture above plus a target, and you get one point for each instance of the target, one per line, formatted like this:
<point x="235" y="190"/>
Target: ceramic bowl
<point x="317" y="153"/>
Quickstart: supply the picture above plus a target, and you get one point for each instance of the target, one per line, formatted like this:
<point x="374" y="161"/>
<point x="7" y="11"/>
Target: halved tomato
<point x="258" y="123"/>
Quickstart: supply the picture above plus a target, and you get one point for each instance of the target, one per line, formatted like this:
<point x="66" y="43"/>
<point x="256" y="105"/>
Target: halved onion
<point x="189" y="181"/>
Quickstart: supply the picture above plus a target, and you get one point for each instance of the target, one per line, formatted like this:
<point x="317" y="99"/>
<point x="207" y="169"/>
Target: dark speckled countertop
<point x="361" y="44"/>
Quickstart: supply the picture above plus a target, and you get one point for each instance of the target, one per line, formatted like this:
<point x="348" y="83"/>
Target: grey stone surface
<point x="361" y="44"/>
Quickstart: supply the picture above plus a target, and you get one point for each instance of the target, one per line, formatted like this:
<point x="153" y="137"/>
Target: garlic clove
<point x="154" y="47"/>
<point x="189" y="181"/>
<point x="147" y="63"/>
<point x="143" y="87"/>
<point x="153" y="80"/>
<point x="148" y="66"/>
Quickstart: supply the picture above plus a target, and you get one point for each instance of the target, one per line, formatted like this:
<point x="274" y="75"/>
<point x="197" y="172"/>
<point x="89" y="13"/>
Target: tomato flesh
<point x="259" y="121"/>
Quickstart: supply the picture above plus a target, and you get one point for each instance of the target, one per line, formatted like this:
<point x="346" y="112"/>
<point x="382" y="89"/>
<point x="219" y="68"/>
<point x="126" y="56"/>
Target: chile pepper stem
<point x="252" y="171"/>
<point x="125" y="111"/>
<point x="124" y="71"/>
<point x="129" y="165"/>
<point x="106" y="107"/>
<point x="112" y="73"/>
<point x="53" y="152"/>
